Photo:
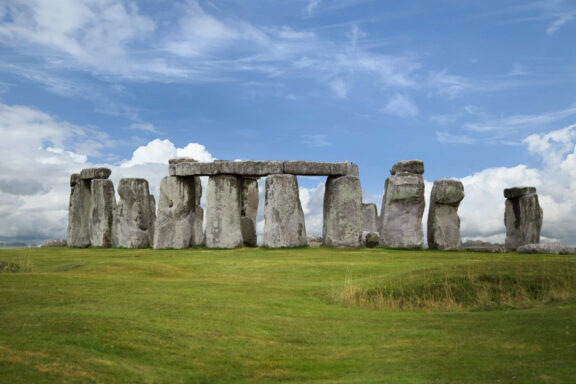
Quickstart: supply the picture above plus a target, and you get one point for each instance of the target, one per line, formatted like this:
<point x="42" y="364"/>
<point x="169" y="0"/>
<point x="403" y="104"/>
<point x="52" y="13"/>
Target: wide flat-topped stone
<point x="408" y="166"/>
<point x="178" y="167"/>
<point x="95" y="173"/>
<point x="313" y="168"/>
<point x="511" y="193"/>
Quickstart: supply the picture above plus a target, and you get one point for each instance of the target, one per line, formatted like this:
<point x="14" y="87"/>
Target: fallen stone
<point x="408" y="166"/>
<point x="134" y="215"/>
<point x="103" y="204"/>
<point x="443" y="220"/>
<point x="248" y="232"/>
<point x="175" y="226"/>
<point x="53" y="243"/>
<point x="369" y="217"/>
<point x="284" y="218"/>
<point x="522" y="217"/>
<point x="489" y="248"/>
<point x="403" y="207"/>
<point x="342" y="212"/>
<point x="223" y="206"/>
<point x="372" y="240"/>
<point x="548" y="248"/>
<point x="95" y="173"/>
<point x="314" y="241"/>
<point x="78" y="233"/>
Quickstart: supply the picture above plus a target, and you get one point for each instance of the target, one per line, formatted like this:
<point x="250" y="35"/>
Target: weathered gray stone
<point x="402" y="209"/>
<point x="522" y="217"/>
<point x="95" y="173"/>
<point x="369" y="217"/>
<point x="314" y="241"/>
<point x="248" y="232"/>
<point x="549" y="248"/>
<point x="312" y="168"/>
<point x="79" y="213"/>
<point x="489" y="248"/>
<point x="408" y="166"/>
<point x="223" y="206"/>
<point x="103" y="204"/>
<point x="223" y="167"/>
<point x="372" y="240"/>
<point x="179" y="160"/>
<point x="443" y="220"/>
<point x="342" y="212"/>
<point x="53" y="243"/>
<point x="284" y="218"/>
<point x="177" y="208"/>
<point x="134" y="215"/>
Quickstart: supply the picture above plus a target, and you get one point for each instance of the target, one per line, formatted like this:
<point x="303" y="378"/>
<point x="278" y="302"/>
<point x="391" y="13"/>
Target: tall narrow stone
<point x="79" y="212"/>
<point x="343" y="212"/>
<point x="176" y="219"/>
<point x="523" y="217"/>
<point x="369" y="217"/>
<point x="223" y="206"/>
<point x="103" y="204"/>
<point x="443" y="220"/>
<point x="403" y="206"/>
<point x="134" y="216"/>
<point x="249" y="210"/>
<point x="284" y="218"/>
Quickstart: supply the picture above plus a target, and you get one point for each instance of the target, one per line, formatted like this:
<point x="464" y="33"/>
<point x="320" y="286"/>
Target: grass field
<point x="304" y="315"/>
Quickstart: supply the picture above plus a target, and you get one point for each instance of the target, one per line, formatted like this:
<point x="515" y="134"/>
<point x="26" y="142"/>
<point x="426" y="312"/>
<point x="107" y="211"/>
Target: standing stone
<point x="403" y="206"/>
<point x="343" y="212"/>
<point x="369" y="217"/>
<point x="223" y="206"/>
<point x="79" y="212"/>
<point x="176" y="220"/>
<point x="522" y="217"/>
<point x="249" y="210"/>
<point x="284" y="218"/>
<point x="103" y="203"/>
<point x="443" y="220"/>
<point x="134" y="215"/>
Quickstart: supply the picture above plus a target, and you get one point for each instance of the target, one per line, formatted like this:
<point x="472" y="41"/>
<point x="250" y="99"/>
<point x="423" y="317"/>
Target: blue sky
<point x="480" y="90"/>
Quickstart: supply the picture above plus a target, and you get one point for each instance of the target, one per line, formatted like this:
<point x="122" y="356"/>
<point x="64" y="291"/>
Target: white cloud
<point x="311" y="7"/>
<point x="401" y="106"/>
<point x="146" y="127"/>
<point x="160" y="151"/>
<point x="449" y="138"/>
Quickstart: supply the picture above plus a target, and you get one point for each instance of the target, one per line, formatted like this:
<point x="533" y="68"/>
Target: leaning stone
<point x="443" y="220"/>
<point x="78" y="234"/>
<point x="402" y="209"/>
<point x="248" y="232"/>
<point x="103" y="203"/>
<point x="408" y="166"/>
<point x="522" y="217"/>
<point x="372" y="240"/>
<point x="548" y="248"/>
<point x="223" y="206"/>
<point x="176" y="218"/>
<point x="134" y="216"/>
<point x="95" y="173"/>
<point x="342" y="212"/>
<point x="370" y="217"/>
<point x="53" y="243"/>
<point x="284" y="218"/>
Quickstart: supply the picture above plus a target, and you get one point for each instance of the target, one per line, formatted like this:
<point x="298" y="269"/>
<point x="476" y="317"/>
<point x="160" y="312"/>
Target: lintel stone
<point x="95" y="173"/>
<point x="512" y="193"/>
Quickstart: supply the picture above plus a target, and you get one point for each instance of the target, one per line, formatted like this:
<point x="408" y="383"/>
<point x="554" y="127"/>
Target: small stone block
<point x="514" y="192"/>
<point x="95" y="173"/>
<point x="408" y="166"/>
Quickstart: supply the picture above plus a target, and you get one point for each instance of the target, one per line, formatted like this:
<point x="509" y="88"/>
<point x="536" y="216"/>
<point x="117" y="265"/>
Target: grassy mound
<point x="482" y="286"/>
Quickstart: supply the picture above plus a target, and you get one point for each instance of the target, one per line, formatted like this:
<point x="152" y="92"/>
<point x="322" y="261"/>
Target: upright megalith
<point x="79" y="212"/>
<point x="522" y="217"/>
<point x="443" y="220"/>
<point x="403" y="206"/>
<point x="103" y="204"/>
<point x="223" y="208"/>
<point x="134" y="216"/>
<point x="284" y="218"/>
<point x="369" y="217"/>
<point x="343" y="212"/>
<point x="249" y="210"/>
<point x="177" y="209"/>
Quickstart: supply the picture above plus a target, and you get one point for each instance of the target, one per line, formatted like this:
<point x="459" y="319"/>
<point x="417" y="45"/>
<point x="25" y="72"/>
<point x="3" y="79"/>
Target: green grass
<point x="263" y="315"/>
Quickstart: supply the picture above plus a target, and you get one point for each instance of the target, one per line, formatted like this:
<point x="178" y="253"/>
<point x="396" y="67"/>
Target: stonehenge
<point x="369" y="218"/>
<point x="103" y="204"/>
<point x="403" y="206"/>
<point x="522" y="217"/>
<point x="342" y="212"/>
<point x="223" y="209"/>
<point x="249" y="210"/>
<point x="134" y="215"/>
<point x="443" y="220"/>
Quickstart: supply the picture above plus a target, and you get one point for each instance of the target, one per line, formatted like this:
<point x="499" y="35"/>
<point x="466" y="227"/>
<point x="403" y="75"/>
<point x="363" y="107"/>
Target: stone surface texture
<point x="249" y="210"/>
<point x="372" y="240"/>
<point x="78" y="235"/>
<point x="249" y="236"/>
<point x="369" y="217"/>
<point x="342" y="212"/>
<point x="522" y="217"/>
<point x="284" y="218"/>
<point x="549" y="248"/>
<point x="103" y="204"/>
<point x="53" y="243"/>
<point x="95" y="173"/>
<point x="403" y="206"/>
<point x="134" y="216"/>
<point x="175" y="226"/>
<point x="223" y="207"/>
<point x="443" y="220"/>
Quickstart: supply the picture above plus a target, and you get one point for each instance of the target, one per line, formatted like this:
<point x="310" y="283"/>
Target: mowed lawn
<point x="260" y="316"/>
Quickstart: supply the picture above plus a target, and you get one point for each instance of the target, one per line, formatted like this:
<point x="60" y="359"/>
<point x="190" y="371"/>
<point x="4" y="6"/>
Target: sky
<point x="482" y="91"/>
